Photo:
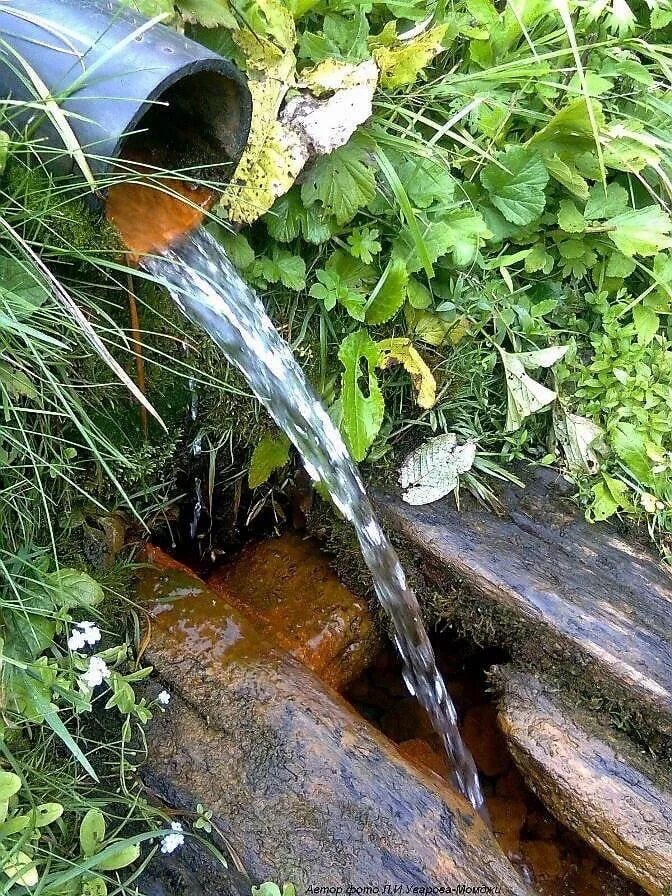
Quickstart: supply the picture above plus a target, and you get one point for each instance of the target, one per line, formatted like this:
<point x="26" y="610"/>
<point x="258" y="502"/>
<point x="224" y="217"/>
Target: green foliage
<point x="271" y="454"/>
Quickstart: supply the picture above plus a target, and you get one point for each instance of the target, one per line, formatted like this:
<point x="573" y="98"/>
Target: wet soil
<point x="548" y="855"/>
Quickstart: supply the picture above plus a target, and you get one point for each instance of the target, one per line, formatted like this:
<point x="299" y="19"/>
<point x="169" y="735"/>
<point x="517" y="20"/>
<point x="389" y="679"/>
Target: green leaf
<point x="390" y="293"/>
<point x="343" y="181"/>
<point x="427" y="181"/>
<point x="646" y="323"/>
<point x="75" y="588"/>
<point x="49" y="713"/>
<point x="289" y="219"/>
<point x="272" y="453"/>
<point x="47" y="813"/>
<point x="516" y="185"/>
<point x="603" y="204"/>
<point x="642" y="231"/>
<point x="9" y="785"/>
<point x="361" y="398"/>
<point x="363" y="243"/>
<point x="418" y="295"/>
<point x="94" y="886"/>
<point x="570" y="218"/>
<point x="92" y="832"/>
<point x="266" y="889"/>
<point x="630" y="447"/>
<point x="21" y="290"/>
<point x="120" y="857"/>
<point x="567" y="175"/>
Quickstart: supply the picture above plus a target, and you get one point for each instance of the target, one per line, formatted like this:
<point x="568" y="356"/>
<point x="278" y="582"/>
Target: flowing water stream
<point x="209" y="291"/>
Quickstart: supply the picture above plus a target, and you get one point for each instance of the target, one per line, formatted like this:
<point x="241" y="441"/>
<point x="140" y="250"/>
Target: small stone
<point x="483" y="737"/>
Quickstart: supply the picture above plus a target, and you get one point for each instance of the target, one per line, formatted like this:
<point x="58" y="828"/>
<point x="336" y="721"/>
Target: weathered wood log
<point x="543" y="578"/>
<point x="591" y="779"/>
<point x="288" y="588"/>
<point x="303" y="789"/>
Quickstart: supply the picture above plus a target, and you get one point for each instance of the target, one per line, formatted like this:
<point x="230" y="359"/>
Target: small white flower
<point x="171" y="841"/>
<point x="82" y="634"/>
<point x="96" y="672"/>
<point x="163" y="698"/>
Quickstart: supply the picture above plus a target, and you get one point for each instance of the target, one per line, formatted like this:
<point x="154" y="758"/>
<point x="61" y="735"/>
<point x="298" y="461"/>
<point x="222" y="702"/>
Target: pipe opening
<point x="197" y="126"/>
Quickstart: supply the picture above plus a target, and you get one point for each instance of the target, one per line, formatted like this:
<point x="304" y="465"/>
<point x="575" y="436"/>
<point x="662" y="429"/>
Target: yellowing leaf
<point x="402" y="64"/>
<point x="275" y="154"/>
<point x="21" y="869"/>
<point x="432" y="471"/>
<point x="402" y="351"/>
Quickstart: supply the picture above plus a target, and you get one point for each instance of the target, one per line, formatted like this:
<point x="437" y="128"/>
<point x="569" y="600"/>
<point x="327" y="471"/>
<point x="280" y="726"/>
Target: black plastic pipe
<point x="113" y="77"/>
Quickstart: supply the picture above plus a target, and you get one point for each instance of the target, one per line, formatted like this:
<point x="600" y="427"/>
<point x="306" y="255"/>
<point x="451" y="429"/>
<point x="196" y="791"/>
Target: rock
<point x="546" y="861"/>
<point x="593" y="781"/>
<point x="286" y="586"/>
<point x="485" y="741"/>
<point x="406" y="720"/>
<point x="301" y="788"/>
<point x="542" y="580"/>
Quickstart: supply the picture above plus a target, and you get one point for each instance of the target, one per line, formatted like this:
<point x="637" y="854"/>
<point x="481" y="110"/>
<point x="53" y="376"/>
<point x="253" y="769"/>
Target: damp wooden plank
<point x="568" y="584"/>
<point x="302" y="788"/>
<point x="593" y="780"/>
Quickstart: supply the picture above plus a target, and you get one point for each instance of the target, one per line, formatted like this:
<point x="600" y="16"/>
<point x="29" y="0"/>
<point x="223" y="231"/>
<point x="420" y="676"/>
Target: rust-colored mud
<point x="288" y="588"/>
<point x="551" y="857"/>
<point x="152" y="216"/>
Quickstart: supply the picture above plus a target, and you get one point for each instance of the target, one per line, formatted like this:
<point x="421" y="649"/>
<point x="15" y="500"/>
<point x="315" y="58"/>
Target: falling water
<point x="209" y="291"/>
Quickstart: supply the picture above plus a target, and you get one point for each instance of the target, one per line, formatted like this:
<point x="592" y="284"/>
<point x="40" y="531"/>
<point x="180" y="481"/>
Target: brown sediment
<point x="151" y="215"/>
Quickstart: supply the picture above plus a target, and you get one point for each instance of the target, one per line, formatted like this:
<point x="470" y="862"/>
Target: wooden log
<point x="304" y="790"/>
<point x="592" y="780"/>
<point x="567" y="587"/>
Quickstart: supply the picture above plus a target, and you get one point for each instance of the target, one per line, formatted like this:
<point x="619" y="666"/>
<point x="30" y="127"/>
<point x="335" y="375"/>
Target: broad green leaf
<point x="271" y="454"/>
<point x="570" y="218"/>
<point x="47" y="813"/>
<point x="361" y="398"/>
<point x="389" y="295"/>
<point x="92" y="832"/>
<point x="567" y="175"/>
<point x="22" y="292"/>
<point x="432" y="471"/>
<point x="117" y="858"/>
<point x="9" y="785"/>
<point x="427" y="181"/>
<point x="342" y="182"/>
<point x="418" y="295"/>
<point x="289" y="218"/>
<point x="75" y="588"/>
<point x="515" y="185"/>
<point x="151" y="8"/>
<point x="646" y="323"/>
<point x="402" y="351"/>
<point x="570" y="131"/>
<point x="630" y="447"/>
<point x="402" y="64"/>
<point x="525" y="395"/>
<point x="642" y="231"/>
<point x="603" y="204"/>
<point x="94" y="886"/>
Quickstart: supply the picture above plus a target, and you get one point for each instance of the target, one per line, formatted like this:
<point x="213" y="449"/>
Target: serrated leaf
<point x="209" y="13"/>
<point x="516" y="185"/>
<point x="525" y="395"/>
<point x="271" y="454"/>
<point x="403" y="63"/>
<point x="603" y="204"/>
<point x="568" y="175"/>
<point x="389" y="297"/>
<point x="642" y="231"/>
<point x="432" y="471"/>
<point x="289" y="218"/>
<point x="342" y="182"/>
<point x="619" y="266"/>
<point x="361" y="399"/>
<point x="646" y="323"/>
<point x="570" y="218"/>
<point x="402" y="351"/>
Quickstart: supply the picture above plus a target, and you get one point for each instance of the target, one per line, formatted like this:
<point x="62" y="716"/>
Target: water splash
<point x="209" y="291"/>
